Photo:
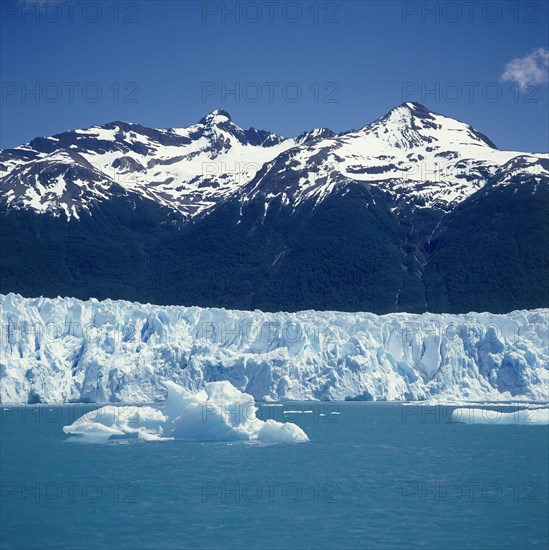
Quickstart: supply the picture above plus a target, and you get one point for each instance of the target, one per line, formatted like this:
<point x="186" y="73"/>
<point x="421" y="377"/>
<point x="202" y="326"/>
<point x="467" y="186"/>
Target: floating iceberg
<point x="535" y="416"/>
<point x="119" y="422"/>
<point x="66" y="350"/>
<point x="218" y="412"/>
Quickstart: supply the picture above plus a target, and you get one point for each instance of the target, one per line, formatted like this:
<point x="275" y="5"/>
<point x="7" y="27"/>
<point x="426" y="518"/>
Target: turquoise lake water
<point x="376" y="475"/>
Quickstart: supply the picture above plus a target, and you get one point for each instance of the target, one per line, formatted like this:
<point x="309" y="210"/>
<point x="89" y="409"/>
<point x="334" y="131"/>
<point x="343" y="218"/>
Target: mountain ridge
<point x="413" y="212"/>
<point x="193" y="168"/>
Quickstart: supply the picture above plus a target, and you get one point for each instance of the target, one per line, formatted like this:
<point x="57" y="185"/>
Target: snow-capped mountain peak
<point x="188" y="170"/>
<point x="217" y="116"/>
<point x="419" y="157"/>
<point x="413" y="125"/>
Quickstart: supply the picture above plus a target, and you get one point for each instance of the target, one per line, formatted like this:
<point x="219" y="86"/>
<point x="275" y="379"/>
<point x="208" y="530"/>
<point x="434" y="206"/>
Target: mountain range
<point x="413" y="212"/>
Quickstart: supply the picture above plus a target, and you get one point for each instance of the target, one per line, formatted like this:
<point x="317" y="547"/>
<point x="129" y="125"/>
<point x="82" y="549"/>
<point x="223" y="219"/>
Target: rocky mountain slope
<point x="413" y="212"/>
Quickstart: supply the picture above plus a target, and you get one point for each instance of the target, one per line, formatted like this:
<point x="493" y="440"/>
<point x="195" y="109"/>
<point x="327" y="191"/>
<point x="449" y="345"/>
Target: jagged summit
<point x="314" y="134"/>
<point x="217" y="116"/>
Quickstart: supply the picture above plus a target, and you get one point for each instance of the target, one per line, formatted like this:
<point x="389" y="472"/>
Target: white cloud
<point x="530" y="69"/>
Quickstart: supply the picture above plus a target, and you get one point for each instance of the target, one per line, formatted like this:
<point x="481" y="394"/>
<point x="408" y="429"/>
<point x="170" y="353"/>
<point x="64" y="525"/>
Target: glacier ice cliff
<point x="67" y="350"/>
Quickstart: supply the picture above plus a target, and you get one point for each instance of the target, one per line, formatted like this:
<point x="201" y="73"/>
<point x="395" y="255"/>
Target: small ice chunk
<point x="536" y="416"/>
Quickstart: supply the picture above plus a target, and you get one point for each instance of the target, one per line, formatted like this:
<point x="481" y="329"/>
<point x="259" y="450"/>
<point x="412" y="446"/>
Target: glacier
<point x="64" y="350"/>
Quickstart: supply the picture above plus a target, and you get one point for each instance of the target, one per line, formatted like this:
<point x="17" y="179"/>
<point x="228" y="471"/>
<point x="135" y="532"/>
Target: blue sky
<point x="281" y="66"/>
